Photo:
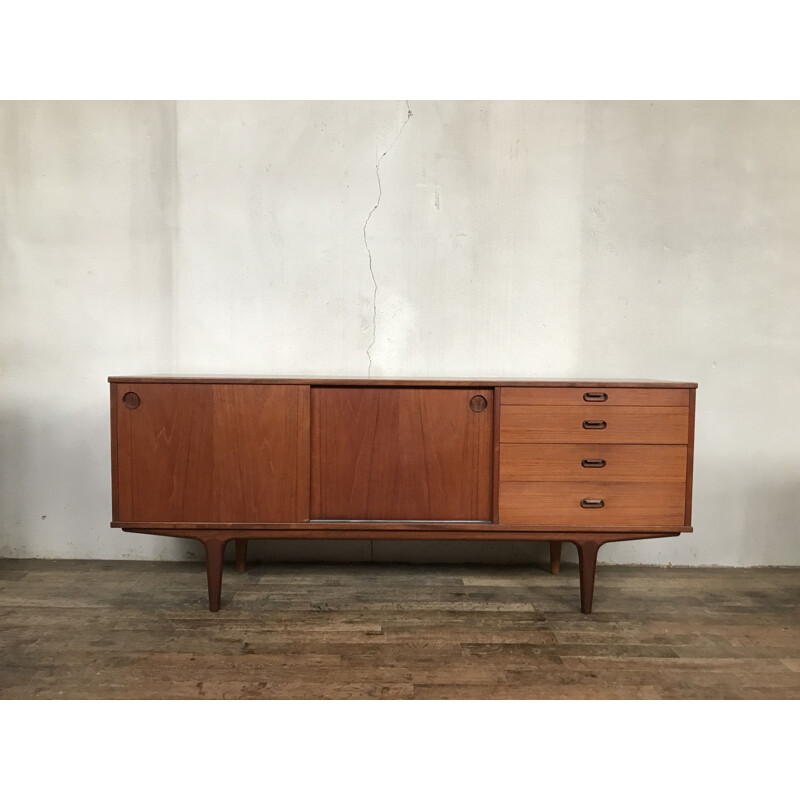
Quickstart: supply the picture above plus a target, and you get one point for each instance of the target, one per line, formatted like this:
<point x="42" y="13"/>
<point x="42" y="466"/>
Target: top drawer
<point x="594" y="396"/>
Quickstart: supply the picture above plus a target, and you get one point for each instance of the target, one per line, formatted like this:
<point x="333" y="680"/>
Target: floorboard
<point x="139" y="630"/>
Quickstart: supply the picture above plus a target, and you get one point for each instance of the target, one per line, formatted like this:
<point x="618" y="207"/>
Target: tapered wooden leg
<point x="587" y="561"/>
<point x="214" y="552"/>
<point x="555" y="557"/>
<point x="241" y="555"/>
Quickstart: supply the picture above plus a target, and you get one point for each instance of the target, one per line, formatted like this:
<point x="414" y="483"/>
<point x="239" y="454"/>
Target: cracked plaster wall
<point x="616" y="240"/>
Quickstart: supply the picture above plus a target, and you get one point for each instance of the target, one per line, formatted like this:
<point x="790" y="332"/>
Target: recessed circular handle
<point x="594" y="425"/>
<point x="595" y="397"/>
<point x="478" y="403"/>
<point x="131" y="400"/>
<point x="591" y="502"/>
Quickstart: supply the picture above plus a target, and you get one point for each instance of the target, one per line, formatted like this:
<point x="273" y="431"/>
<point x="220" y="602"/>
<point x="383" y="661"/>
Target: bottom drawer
<point x="591" y="504"/>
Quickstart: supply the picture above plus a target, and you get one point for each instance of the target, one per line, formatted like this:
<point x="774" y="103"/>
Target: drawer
<point x="593" y="396"/>
<point x="581" y="462"/>
<point x="623" y="503"/>
<point x="596" y="425"/>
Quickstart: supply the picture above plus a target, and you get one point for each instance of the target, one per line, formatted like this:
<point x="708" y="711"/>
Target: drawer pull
<point x="594" y="425"/>
<point x="596" y="463"/>
<point x="589" y="502"/>
<point x="595" y="397"/>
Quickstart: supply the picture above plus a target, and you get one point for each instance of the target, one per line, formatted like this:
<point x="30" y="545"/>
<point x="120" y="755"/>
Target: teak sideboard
<point x="216" y="459"/>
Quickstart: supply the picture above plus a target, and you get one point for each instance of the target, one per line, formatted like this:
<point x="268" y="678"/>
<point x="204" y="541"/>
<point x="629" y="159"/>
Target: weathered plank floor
<point x="100" y="629"/>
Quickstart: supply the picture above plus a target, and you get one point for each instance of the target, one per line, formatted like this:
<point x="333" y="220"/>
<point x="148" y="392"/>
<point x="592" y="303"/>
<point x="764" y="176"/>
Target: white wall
<point x="531" y="240"/>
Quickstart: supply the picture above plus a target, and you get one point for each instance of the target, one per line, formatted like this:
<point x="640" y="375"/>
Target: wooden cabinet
<point x="217" y="459"/>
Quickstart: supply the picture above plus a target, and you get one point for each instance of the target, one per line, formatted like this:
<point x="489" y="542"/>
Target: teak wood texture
<point x="213" y="453"/>
<point x="594" y="425"/>
<point x="216" y="459"/>
<point x="595" y="462"/>
<point x="598" y="396"/>
<point x="604" y="504"/>
<point x="401" y="454"/>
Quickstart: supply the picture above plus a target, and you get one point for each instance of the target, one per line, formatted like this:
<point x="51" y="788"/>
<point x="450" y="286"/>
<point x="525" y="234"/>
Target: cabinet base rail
<point x="588" y="544"/>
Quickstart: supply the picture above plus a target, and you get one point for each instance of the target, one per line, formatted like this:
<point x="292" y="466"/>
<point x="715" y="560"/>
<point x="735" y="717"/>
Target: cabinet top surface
<point x="333" y="381"/>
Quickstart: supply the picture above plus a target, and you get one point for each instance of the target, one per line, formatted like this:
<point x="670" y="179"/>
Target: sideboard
<point x="219" y="458"/>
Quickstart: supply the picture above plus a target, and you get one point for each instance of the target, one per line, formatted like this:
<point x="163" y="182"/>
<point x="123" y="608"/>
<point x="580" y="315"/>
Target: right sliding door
<point x="396" y="453"/>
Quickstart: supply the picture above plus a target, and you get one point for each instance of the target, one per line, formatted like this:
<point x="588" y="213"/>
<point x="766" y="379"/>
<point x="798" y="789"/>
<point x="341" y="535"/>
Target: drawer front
<point x="596" y="425"/>
<point x="597" y="462"/>
<point x="556" y="503"/>
<point x="598" y="396"/>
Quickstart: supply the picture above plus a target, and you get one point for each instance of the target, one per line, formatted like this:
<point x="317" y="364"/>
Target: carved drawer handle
<point x="596" y="463"/>
<point x="594" y="425"/>
<point x="589" y="502"/>
<point x="595" y="397"/>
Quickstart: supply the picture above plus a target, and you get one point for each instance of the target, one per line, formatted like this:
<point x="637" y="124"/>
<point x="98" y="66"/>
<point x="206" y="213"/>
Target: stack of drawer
<point x="593" y="457"/>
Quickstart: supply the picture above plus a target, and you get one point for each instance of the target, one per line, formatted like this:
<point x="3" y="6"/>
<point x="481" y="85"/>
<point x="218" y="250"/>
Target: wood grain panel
<point x="261" y="453"/>
<point x="372" y="382"/>
<point x="463" y="530"/>
<point x="498" y="393"/>
<point x="555" y="503"/>
<point x="563" y="462"/>
<point x="690" y="460"/>
<point x="392" y="453"/>
<point x="564" y="424"/>
<point x="165" y="453"/>
<point x="208" y="453"/>
<point x="615" y="396"/>
<point x="114" y="453"/>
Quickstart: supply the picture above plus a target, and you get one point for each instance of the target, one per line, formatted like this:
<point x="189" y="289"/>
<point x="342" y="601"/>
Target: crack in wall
<point x="366" y="242"/>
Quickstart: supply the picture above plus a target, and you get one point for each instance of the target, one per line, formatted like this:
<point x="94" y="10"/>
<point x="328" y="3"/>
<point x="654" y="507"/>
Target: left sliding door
<point x="211" y="452"/>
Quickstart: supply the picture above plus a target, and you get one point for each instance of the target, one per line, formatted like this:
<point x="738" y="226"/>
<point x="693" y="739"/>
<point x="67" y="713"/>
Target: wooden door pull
<point x="596" y="463"/>
<point x="589" y="502"/>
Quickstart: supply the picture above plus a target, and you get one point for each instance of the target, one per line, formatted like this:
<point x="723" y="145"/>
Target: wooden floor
<point x="99" y="629"/>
